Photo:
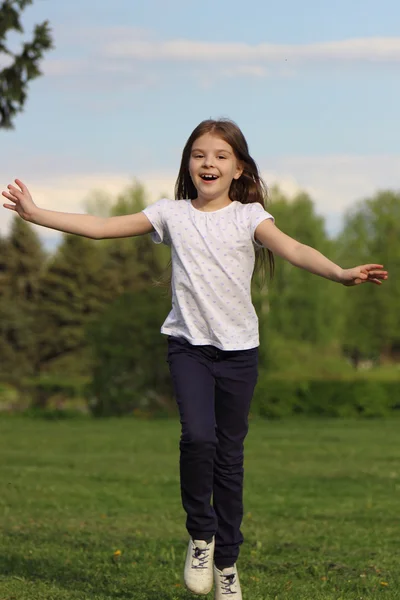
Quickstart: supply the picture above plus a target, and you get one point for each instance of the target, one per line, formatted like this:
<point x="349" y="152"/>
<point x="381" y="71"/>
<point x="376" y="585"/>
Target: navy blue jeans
<point x="213" y="389"/>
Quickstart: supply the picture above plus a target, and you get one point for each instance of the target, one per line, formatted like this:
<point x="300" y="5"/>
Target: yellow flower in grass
<point x="384" y="583"/>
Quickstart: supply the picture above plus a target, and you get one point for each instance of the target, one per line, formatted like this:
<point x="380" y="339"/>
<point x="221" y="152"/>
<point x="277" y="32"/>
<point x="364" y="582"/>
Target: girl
<point x="216" y="230"/>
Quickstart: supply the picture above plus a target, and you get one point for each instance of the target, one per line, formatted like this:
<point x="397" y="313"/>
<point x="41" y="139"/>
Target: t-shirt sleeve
<point x="157" y="214"/>
<point x="257" y="214"/>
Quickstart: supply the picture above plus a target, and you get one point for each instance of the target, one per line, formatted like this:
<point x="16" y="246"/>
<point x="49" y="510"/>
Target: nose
<point x="208" y="161"/>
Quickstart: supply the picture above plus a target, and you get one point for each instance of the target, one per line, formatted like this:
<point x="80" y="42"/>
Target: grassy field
<point x="91" y="510"/>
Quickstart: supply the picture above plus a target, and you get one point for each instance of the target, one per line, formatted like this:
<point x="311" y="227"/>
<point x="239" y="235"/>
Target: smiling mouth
<point x="205" y="177"/>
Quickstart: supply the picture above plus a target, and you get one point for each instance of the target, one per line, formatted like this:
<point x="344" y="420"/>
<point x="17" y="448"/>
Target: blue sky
<point x="314" y="86"/>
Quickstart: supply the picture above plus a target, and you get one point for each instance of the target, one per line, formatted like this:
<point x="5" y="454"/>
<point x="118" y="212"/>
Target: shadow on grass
<point x="92" y="582"/>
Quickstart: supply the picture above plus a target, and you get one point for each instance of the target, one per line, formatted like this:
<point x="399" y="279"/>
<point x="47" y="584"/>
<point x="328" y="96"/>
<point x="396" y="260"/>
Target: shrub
<point x="277" y="397"/>
<point x="9" y="397"/>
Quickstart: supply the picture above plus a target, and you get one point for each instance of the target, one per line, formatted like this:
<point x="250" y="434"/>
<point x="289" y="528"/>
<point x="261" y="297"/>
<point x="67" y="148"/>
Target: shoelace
<point x="226" y="583"/>
<point x="202" y="557"/>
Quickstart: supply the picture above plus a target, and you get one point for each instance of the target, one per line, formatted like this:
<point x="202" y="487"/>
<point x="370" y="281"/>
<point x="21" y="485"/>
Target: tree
<point x="24" y="66"/>
<point x="372" y="234"/>
<point x="22" y="261"/>
<point x="4" y="250"/>
<point x="84" y="277"/>
<point x="26" y="261"/>
<point x="71" y="293"/>
<point x="300" y="306"/>
<point x="129" y="368"/>
<point x="134" y="263"/>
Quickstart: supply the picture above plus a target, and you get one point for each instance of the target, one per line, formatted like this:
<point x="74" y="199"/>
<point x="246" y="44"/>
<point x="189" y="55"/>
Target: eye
<point x="221" y="156"/>
<point x="197" y="156"/>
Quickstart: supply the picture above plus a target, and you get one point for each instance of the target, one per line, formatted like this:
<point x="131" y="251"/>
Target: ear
<point x="239" y="171"/>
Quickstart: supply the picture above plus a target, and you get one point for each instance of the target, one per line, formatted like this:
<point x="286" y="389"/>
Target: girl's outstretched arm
<point x="311" y="260"/>
<point x="86" y="225"/>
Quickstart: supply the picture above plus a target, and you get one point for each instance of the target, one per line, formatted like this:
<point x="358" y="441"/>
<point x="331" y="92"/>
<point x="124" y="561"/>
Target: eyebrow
<point x="217" y="151"/>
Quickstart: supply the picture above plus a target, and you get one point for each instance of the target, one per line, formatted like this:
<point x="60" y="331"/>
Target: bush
<point x="348" y="398"/>
<point x="302" y="359"/>
<point x="277" y="397"/>
<point x="54" y="393"/>
<point x="9" y="397"/>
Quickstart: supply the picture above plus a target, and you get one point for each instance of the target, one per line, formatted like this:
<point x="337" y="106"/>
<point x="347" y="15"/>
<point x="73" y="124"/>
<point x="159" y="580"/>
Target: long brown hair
<point x="250" y="187"/>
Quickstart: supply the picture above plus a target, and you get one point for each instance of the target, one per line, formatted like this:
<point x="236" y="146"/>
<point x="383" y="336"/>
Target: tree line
<point x="93" y="309"/>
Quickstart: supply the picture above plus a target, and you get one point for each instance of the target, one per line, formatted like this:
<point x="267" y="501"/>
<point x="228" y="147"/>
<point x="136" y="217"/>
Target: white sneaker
<point x="198" y="575"/>
<point x="227" y="585"/>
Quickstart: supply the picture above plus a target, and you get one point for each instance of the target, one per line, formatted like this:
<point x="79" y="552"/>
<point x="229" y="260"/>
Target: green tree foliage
<point x="71" y="293"/>
<point x="128" y="351"/>
<point x="130" y="371"/>
<point x="26" y="260"/>
<point x="4" y="251"/>
<point x="297" y="306"/>
<point x="132" y="263"/>
<point x="21" y="264"/>
<point x="23" y="66"/>
<point x="84" y="277"/>
<point x="372" y="234"/>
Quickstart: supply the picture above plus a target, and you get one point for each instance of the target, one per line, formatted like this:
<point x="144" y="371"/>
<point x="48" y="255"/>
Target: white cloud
<point x="126" y="52"/>
<point x="362" y="49"/>
<point x="61" y="67"/>
<point x="336" y="182"/>
<point x="256" y="71"/>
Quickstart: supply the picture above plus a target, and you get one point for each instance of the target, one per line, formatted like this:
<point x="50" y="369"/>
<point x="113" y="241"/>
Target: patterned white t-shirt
<point x="213" y="255"/>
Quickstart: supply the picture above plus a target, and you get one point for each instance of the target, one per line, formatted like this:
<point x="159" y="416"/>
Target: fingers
<point x="21" y="185"/>
<point x="370" y="267"/>
<point x="9" y="196"/>
<point x="10" y="207"/>
<point x="14" y="190"/>
<point x="376" y="277"/>
<point x="12" y="198"/>
<point x="13" y="193"/>
<point x="369" y="274"/>
<point x="378" y="274"/>
<point x="374" y="271"/>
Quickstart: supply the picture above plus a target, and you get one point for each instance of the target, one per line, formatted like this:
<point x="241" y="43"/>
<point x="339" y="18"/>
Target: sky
<point x="314" y="86"/>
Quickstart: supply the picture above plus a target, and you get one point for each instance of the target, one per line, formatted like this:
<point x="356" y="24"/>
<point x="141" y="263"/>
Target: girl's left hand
<point x="364" y="274"/>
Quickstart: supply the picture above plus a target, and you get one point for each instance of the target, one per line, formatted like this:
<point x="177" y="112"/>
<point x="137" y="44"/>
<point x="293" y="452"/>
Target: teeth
<point x="209" y="177"/>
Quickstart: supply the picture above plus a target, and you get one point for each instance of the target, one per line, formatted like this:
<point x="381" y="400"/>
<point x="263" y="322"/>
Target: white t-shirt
<point x="213" y="256"/>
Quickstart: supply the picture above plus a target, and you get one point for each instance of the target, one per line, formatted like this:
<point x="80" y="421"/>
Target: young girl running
<point x="216" y="228"/>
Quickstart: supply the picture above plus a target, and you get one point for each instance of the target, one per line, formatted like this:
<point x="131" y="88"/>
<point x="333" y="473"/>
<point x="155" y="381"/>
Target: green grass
<point x="321" y="510"/>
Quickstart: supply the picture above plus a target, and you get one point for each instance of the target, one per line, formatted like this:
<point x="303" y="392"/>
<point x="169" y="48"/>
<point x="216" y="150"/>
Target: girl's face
<point x="212" y="166"/>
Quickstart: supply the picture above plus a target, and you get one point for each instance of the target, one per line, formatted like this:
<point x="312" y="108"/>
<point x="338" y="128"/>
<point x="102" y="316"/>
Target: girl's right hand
<point x="22" y="200"/>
